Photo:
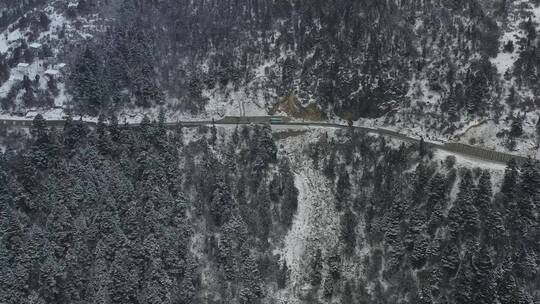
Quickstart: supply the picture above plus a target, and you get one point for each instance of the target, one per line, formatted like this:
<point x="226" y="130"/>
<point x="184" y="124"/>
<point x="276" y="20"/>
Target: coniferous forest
<point x="150" y="214"/>
<point x="440" y="67"/>
<point x="338" y="186"/>
<point x="351" y="59"/>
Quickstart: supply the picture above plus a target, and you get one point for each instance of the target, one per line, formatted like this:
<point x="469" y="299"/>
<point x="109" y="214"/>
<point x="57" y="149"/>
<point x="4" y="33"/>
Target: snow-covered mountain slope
<point x="243" y="215"/>
<point x="33" y="54"/>
<point x="447" y="70"/>
<point x="320" y="222"/>
<point x="219" y="214"/>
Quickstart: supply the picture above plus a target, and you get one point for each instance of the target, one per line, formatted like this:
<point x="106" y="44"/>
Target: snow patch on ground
<point x="13" y="37"/>
<point x="495" y="169"/>
<point x="505" y="61"/>
<point x="469" y="162"/>
<point x="8" y="37"/>
<point x="297" y="238"/>
<point x="316" y="223"/>
<point x="485" y="135"/>
<point x="235" y="103"/>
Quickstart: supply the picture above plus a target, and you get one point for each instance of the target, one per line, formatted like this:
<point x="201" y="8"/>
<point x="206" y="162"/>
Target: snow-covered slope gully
<point x="456" y="148"/>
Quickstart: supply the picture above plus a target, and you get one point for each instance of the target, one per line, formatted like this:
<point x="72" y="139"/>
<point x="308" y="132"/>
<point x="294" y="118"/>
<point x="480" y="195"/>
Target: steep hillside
<point x="158" y="213"/>
<point x="226" y="215"/>
<point x="429" y="67"/>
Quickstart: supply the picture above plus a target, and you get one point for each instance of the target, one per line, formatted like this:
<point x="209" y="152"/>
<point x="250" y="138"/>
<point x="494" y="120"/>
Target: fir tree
<point x="316" y="269"/>
<point x="483" y="282"/>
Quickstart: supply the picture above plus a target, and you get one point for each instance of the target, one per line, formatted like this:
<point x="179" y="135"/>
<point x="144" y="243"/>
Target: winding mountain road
<point x="457" y="148"/>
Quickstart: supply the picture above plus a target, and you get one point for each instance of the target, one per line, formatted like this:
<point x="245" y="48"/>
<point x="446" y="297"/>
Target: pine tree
<point x="316" y="268"/>
<point x="52" y="272"/>
<point x="463" y="290"/>
<point x="39" y="128"/>
<point x="463" y="217"/>
<point x="41" y="148"/>
<point x="516" y="129"/>
<point x="416" y="227"/>
<point x="524" y="209"/>
<point x="60" y="226"/>
<point x="484" y="194"/>
<point x="511" y="99"/>
<point x="283" y="276"/>
<point x="392" y="223"/>
<point x="221" y="205"/>
<point x="418" y="255"/>
<point x="88" y="82"/>
<point x="538" y="128"/>
<point x="178" y="135"/>
<point x="421" y="181"/>
<point x="347" y="297"/>
<point x="161" y="130"/>
<point x="74" y="133"/>
<point x="494" y="225"/>
<point x="509" y="46"/>
<point x="124" y="276"/>
<point x="289" y="193"/>
<point x="436" y="202"/>
<point x="78" y="261"/>
<point x="530" y="30"/>
<point x="103" y="143"/>
<point x="450" y="259"/>
<point x="508" y="291"/>
<point x="157" y="284"/>
<point x="4" y="69"/>
<point x="343" y="188"/>
<point x="12" y="289"/>
<point x="511" y="175"/>
<point x="266" y="146"/>
<point x="484" y="285"/>
<point x="348" y="230"/>
<point x="213" y="135"/>
<point x="422" y="149"/>
<point x="114" y="131"/>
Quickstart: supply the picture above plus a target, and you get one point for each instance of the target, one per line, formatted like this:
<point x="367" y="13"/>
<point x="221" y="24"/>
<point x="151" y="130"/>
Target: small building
<point x="33" y="48"/>
<point x="60" y="67"/>
<point x="52" y="74"/>
<point x="23" y="67"/>
<point x="35" y="45"/>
